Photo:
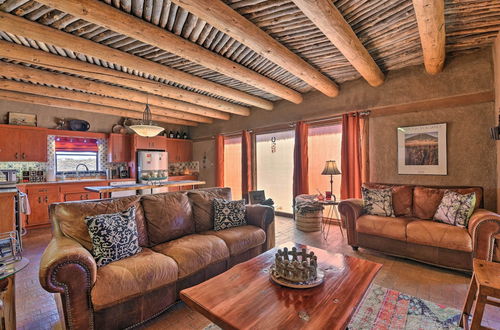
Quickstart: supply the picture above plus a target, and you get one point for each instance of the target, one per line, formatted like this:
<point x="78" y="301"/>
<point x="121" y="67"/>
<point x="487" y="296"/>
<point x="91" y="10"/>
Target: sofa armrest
<point x="350" y="210"/>
<point x="69" y="269"/>
<point x="262" y="216"/>
<point x="484" y="228"/>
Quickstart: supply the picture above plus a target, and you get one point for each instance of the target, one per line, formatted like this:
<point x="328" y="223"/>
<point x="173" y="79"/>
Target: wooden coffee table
<point x="244" y="297"/>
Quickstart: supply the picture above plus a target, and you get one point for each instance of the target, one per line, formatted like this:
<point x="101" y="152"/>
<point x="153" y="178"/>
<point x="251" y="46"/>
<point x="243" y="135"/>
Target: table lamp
<point x="331" y="170"/>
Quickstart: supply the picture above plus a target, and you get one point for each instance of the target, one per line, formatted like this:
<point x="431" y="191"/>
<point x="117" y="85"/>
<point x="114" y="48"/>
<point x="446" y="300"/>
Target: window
<point x="232" y="165"/>
<point x="274" y="160"/>
<point x="73" y="151"/>
<point x="324" y="143"/>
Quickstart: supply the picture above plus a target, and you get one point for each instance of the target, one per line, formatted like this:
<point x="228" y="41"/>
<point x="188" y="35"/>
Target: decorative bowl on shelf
<point x="296" y="269"/>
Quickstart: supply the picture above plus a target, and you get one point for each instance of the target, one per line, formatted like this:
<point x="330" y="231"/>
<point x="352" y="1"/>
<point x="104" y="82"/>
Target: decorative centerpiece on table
<point x="296" y="269"/>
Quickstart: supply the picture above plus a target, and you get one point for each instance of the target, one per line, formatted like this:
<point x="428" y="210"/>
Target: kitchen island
<point x="104" y="190"/>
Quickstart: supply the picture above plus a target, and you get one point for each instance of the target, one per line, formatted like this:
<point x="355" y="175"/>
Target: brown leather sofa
<point x="413" y="234"/>
<point x="179" y="250"/>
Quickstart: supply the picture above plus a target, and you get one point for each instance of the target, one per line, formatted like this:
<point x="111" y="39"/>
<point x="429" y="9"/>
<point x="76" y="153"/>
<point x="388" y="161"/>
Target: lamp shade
<point x="146" y="128"/>
<point x="330" y="168"/>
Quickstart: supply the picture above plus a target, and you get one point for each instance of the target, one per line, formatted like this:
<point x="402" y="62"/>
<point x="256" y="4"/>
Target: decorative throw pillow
<point x="114" y="236"/>
<point x="228" y="214"/>
<point x="456" y="209"/>
<point x="377" y="202"/>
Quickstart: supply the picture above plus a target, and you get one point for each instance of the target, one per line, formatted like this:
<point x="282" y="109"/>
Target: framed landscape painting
<point x="422" y="150"/>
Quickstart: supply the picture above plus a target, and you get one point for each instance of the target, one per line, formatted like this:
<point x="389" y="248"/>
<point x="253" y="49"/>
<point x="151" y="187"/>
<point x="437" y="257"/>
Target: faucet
<point x="78" y="172"/>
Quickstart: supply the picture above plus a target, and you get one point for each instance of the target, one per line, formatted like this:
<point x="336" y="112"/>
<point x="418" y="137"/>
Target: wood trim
<point x="88" y="107"/>
<point x="99" y="13"/>
<point x="58" y="132"/>
<point x="40" y="58"/>
<point x="330" y="21"/>
<point x="96" y="99"/>
<point x="224" y="18"/>
<point x="41" y="33"/>
<point x="431" y="27"/>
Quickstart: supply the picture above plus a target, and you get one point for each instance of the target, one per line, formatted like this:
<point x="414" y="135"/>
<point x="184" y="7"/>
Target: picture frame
<point x="256" y="197"/>
<point x="422" y="150"/>
<point x="22" y="119"/>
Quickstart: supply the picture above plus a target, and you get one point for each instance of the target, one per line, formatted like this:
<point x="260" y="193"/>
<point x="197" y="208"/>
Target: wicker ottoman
<point x="309" y="221"/>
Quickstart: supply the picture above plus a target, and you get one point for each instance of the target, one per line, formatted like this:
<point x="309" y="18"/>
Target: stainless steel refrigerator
<point x="152" y="168"/>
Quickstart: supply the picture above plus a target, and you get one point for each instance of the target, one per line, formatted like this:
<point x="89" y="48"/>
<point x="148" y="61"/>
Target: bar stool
<point x="485" y="283"/>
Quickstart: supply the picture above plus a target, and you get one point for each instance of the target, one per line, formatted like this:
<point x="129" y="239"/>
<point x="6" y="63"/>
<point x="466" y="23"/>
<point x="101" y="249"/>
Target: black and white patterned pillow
<point x="228" y="214"/>
<point x="377" y="202"/>
<point x="114" y="236"/>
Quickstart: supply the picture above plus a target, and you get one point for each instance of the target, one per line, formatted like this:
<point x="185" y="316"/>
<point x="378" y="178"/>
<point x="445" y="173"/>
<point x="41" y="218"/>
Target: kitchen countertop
<point x="139" y="186"/>
<point x="75" y="181"/>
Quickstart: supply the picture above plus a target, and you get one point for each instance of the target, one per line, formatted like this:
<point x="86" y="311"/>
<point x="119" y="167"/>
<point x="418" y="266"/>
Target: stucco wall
<point x="204" y="152"/>
<point x="496" y="65"/>
<point x="470" y="150"/>
<point x="46" y="116"/>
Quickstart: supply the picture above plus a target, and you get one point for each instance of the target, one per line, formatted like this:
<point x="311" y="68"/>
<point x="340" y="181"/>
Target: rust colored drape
<point x="246" y="164"/>
<point x="300" y="160"/>
<point x="219" y="161"/>
<point x="354" y="163"/>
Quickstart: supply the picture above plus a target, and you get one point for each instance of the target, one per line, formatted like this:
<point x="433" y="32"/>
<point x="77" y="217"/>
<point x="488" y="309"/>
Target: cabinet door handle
<point x="23" y="155"/>
<point x="86" y="196"/>
<point x="39" y="200"/>
<point x="46" y="199"/>
<point x="17" y="155"/>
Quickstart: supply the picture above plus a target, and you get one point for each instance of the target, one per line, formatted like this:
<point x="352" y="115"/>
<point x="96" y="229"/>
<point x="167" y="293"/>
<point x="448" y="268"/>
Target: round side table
<point x="8" y="293"/>
<point x="325" y="221"/>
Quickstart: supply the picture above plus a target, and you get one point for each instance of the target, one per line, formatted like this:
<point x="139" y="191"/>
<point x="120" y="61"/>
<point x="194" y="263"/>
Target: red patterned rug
<point x="384" y="308"/>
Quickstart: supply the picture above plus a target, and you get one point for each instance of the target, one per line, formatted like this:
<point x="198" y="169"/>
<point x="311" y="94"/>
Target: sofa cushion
<point x="194" y="252"/>
<point x="394" y="228"/>
<point x="426" y="200"/>
<point x="71" y="217"/>
<point x="240" y="239"/>
<point x="425" y="232"/>
<point x="203" y="212"/>
<point x="114" y="236"/>
<point x="132" y="276"/>
<point x="168" y="216"/>
<point x="402" y="197"/>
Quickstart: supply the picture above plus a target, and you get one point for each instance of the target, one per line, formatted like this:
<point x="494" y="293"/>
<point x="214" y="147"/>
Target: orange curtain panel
<point x="246" y="163"/>
<point x="219" y="161"/>
<point x="300" y="160"/>
<point x="352" y="156"/>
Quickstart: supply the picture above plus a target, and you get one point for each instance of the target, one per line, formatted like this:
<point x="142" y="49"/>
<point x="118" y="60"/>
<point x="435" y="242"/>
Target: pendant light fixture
<point x="146" y="128"/>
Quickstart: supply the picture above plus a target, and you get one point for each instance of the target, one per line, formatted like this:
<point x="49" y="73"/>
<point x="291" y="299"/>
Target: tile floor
<point x="36" y="308"/>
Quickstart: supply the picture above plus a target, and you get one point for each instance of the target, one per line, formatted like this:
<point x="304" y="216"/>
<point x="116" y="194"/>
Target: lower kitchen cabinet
<point x="80" y="196"/>
<point x="40" y="197"/>
<point x="8" y="218"/>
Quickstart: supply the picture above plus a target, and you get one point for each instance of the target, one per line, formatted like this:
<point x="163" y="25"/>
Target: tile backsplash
<point x="180" y="168"/>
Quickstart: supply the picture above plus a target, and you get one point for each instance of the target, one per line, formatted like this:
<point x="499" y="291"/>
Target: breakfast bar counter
<point x="102" y="190"/>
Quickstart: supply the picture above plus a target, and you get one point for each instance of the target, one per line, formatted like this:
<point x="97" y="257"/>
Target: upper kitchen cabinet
<point x="179" y="150"/>
<point x="23" y="144"/>
<point x="119" y="148"/>
<point x="153" y="143"/>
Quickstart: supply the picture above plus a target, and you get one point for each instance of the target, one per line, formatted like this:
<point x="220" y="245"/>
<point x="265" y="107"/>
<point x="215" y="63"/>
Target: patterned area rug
<point x="383" y="308"/>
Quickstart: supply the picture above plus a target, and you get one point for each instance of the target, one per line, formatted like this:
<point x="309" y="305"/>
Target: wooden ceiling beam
<point x="227" y="20"/>
<point x="23" y="87"/>
<point x="87" y="107"/>
<point x="206" y="106"/>
<point x="18" y="71"/>
<point x="431" y="28"/>
<point x="26" y="28"/>
<point x="333" y="25"/>
<point x="99" y="13"/>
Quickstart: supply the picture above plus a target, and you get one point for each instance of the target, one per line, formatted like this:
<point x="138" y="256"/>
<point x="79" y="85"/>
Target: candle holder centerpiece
<point x="296" y="269"/>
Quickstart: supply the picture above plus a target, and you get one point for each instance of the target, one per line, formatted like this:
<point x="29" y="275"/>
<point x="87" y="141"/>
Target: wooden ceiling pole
<point x="39" y="32"/>
<point x="22" y="87"/>
<point x="333" y="25"/>
<point x="431" y="27"/>
<point x="39" y="57"/>
<point x="227" y="20"/>
<point x="99" y="13"/>
<point x="87" y="107"/>
<point x="61" y="80"/>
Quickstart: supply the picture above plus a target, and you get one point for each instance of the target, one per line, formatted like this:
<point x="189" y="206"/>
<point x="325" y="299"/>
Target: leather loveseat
<point x="179" y="250"/>
<point x="413" y="234"/>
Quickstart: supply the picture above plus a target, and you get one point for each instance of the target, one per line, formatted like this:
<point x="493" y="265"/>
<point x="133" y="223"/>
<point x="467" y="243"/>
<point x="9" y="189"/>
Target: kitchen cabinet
<point x="76" y="191"/>
<point x="179" y="150"/>
<point x="152" y="143"/>
<point x="28" y="144"/>
<point x="119" y="148"/>
<point x="40" y="197"/>
<point x="7" y="209"/>
<point x="81" y="196"/>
